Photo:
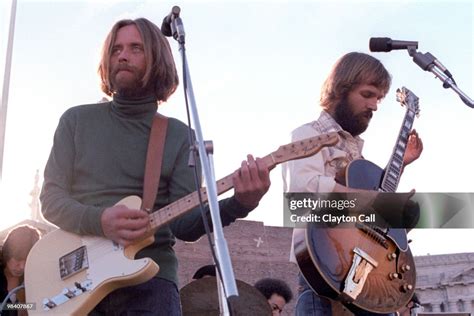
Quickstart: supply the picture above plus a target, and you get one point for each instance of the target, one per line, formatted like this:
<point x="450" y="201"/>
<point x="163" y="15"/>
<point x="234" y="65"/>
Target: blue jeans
<point x="157" y="297"/>
<point x="311" y="304"/>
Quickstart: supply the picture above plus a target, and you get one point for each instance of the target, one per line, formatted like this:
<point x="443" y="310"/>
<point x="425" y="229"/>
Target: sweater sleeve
<point x="58" y="206"/>
<point x="190" y="227"/>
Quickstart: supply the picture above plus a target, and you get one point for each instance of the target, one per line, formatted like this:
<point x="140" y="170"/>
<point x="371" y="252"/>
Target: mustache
<point x="368" y="113"/>
<point x="122" y="67"/>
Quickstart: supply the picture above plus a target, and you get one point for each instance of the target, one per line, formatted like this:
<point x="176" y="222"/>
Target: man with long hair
<point x="98" y="158"/>
<point x="349" y="97"/>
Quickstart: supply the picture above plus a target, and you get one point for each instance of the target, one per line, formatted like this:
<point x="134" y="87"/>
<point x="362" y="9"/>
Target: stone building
<point x="257" y="251"/>
<point x="445" y="283"/>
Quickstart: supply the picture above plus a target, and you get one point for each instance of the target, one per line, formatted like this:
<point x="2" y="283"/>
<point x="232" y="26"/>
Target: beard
<point x="353" y="123"/>
<point x="126" y="81"/>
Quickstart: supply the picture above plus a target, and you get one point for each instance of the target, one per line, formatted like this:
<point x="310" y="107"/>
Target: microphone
<point x="385" y="44"/>
<point x="427" y="62"/>
<point x="166" y="25"/>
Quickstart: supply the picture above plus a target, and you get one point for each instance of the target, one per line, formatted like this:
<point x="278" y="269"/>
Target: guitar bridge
<point x="362" y="265"/>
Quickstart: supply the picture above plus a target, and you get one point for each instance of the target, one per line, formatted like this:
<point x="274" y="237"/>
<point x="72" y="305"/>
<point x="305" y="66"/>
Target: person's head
<point x="353" y="89"/>
<point x="136" y="60"/>
<point x="16" y="247"/>
<point x="205" y="271"/>
<point x="277" y="293"/>
<point x="412" y="308"/>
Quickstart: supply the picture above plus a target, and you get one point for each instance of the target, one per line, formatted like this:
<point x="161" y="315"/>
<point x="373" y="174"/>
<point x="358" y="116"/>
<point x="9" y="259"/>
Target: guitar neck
<point x="395" y="165"/>
<point x="182" y="206"/>
<point x="296" y="150"/>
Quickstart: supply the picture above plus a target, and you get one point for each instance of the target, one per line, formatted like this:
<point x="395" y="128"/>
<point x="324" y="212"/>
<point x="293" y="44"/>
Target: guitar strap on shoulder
<point x="154" y="158"/>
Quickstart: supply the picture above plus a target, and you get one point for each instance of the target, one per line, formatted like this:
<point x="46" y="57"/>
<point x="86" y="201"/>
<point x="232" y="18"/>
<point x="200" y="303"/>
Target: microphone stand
<point x="224" y="264"/>
<point x="429" y="62"/>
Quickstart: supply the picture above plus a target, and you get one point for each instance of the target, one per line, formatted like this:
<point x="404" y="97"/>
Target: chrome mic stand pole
<point x="429" y="62"/>
<point x="6" y="86"/>
<point x="222" y="252"/>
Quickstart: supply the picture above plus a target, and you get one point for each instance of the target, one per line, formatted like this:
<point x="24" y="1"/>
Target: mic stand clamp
<point x="177" y="30"/>
<point x="194" y="149"/>
<point x="428" y="62"/>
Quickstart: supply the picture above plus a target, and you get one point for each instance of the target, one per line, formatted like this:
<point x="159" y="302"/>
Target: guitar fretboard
<point x="181" y="206"/>
<point x="296" y="150"/>
<point x="395" y="164"/>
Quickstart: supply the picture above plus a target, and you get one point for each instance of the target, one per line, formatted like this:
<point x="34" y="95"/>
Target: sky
<point x="257" y="68"/>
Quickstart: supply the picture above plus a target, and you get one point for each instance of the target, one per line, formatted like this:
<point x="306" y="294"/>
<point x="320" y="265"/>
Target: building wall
<point x="445" y="283"/>
<point x="257" y="251"/>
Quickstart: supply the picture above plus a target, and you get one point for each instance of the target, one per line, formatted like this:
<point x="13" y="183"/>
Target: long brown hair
<point x="19" y="242"/>
<point x="350" y="71"/>
<point x="160" y="73"/>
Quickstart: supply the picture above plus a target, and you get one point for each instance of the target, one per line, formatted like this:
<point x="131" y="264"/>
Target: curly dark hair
<point x="209" y="270"/>
<point x="269" y="286"/>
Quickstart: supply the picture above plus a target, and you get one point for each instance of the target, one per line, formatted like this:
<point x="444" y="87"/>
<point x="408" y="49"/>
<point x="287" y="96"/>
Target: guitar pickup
<point x="73" y="263"/>
<point x="376" y="233"/>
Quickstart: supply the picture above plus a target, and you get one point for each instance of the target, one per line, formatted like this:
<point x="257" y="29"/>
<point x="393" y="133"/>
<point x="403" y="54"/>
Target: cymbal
<point x="200" y="298"/>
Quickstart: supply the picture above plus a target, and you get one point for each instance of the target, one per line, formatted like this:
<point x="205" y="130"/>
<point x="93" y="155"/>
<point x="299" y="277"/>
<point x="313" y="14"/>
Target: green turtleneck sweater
<point x="98" y="158"/>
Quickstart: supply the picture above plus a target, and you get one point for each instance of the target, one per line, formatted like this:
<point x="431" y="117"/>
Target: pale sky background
<point x="257" y="68"/>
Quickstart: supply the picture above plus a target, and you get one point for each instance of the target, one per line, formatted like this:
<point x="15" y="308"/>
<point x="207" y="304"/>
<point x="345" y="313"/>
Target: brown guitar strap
<point x="154" y="158"/>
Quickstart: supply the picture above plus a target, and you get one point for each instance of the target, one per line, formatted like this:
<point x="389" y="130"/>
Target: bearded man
<point x="349" y="97"/>
<point x="98" y="158"/>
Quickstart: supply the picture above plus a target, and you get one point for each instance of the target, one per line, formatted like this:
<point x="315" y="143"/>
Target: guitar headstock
<point x="304" y="148"/>
<point x="408" y="99"/>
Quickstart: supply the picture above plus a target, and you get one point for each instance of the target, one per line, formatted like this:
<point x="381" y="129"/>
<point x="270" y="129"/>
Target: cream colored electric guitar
<point x="68" y="274"/>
